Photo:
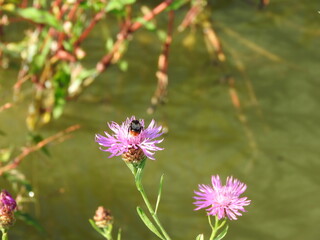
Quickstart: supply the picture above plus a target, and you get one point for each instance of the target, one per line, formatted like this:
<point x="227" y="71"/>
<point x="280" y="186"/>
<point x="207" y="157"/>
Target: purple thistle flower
<point x="131" y="135"/>
<point x="222" y="201"/>
<point x="6" y="201"/>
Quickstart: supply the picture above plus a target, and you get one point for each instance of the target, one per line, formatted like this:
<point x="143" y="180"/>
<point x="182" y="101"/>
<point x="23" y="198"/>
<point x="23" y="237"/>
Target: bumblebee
<point x="135" y="128"/>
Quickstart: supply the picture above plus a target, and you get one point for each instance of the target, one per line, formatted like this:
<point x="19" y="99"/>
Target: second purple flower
<point x="131" y="139"/>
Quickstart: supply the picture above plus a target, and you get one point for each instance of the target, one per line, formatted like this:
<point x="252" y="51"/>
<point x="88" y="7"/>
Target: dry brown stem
<point x="27" y="150"/>
<point x="162" y="73"/>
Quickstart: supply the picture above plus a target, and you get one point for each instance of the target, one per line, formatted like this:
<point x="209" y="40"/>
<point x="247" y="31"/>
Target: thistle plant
<point x="137" y="143"/>
<point x="222" y="202"/>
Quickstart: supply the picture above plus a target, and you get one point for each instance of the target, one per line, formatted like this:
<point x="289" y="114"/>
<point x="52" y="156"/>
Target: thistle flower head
<point x="222" y="201"/>
<point x="103" y="217"/>
<point x="131" y="139"/>
<point x="7" y="207"/>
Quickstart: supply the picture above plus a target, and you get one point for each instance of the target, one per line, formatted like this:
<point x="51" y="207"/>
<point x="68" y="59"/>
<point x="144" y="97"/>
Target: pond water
<point x="271" y="142"/>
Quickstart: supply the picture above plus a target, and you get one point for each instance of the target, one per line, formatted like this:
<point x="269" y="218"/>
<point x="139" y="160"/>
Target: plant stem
<point x="4" y="234"/>
<point x="151" y="210"/>
<point x="214" y="228"/>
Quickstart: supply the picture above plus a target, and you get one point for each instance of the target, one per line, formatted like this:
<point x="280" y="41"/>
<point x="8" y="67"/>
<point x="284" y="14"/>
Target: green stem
<point x="216" y="226"/>
<point x="4" y="234"/>
<point x="151" y="210"/>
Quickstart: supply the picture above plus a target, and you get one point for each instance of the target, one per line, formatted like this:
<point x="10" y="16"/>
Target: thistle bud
<point x="103" y="217"/>
<point x="7" y="207"/>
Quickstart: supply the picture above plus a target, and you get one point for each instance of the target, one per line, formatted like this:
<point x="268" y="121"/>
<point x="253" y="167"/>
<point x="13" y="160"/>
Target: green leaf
<point x="109" y="44"/>
<point x="61" y="82"/>
<point x="148" y="223"/>
<point x="162" y="35"/>
<point x="118" y="4"/>
<point x="159" y="194"/>
<point x="200" y="237"/>
<point x="222" y="234"/>
<point x="148" y="24"/>
<point x="39" y="16"/>
<point x="123" y="65"/>
<point x="28" y="219"/>
<point x="93" y="224"/>
<point x="119" y="234"/>
<point x="5" y="154"/>
<point x="177" y="4"/>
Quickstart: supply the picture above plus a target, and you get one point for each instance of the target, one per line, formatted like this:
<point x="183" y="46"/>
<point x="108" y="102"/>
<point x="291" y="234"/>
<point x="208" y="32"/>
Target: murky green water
<point x="271" y="143"/>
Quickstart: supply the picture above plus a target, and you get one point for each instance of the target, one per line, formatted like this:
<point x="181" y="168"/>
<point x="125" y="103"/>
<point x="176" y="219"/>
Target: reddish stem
<point x="86" y="32"/>
<point x="17" y="160"/>
<point x="126" y="30"/>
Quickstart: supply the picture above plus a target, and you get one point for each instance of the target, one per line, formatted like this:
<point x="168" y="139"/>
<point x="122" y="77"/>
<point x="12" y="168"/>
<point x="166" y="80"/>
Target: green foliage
<point x="123" y="65"/>
<point x="28" y="219"/>
<point x="147" y="222"/>
<point x="5" y="154"/>
<point x="176" y="4"/>
<point x="39" y="16"/>
<point x="61" y="82"/>
<point x="118" y="4"/>
<point x="159" y="194"/>
<point x="222" y="234"/>
<point x="200" y="237"/>
<point x="147" y="24"/>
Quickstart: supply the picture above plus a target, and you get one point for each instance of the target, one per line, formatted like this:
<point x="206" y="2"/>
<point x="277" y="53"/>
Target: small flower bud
<point x="7" y="207"/>
<point x="103" y="217"/>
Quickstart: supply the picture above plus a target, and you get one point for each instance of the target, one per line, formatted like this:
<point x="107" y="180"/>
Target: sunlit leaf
<point x="123" y="65"/>
<point x="118" y="4"/>
<point x="148" y="24"/>
<point x="200" y="237"/>
<point x="222" y="234"/>
<point x="109" y="44"/>
<point x="39" y="16"/>
<point x="119" y="234"/>
<point x="148" y="223"/>
<point x="95" y="227"/>
<point x="5" y="154"/>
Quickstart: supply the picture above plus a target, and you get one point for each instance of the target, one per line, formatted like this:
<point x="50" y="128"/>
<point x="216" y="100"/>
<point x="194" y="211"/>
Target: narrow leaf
<point x="28" y="219"/>
<point x="148" y="223"/>
<point x="119" y="234"/>
<point x="159" y="194"/>
<point x="93" y="224"/>
<point x="222" y="234"/>
<point x="200" y="237"/>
